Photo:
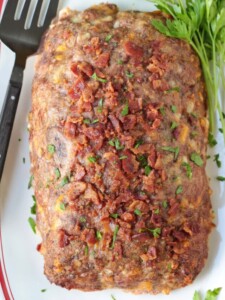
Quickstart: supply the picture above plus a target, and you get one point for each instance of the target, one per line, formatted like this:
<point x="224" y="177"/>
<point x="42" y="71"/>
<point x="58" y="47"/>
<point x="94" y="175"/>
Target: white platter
<point x="23" y="265"/>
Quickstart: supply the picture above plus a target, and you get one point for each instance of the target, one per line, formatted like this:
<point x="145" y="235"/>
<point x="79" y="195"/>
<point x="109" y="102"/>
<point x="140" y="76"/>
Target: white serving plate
<point x="22" y="265"/>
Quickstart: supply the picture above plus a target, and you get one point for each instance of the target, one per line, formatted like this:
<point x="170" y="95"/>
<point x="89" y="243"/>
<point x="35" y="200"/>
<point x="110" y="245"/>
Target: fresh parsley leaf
<point x="114" y="236"/>
<point x="212" y="294"/>
<point x="137" y="212"/>
<point x="175" y="150"/>
<point x="95" y="77"/>
<point x="188" y="169"/>
<point x="98" y="235"/>
<point x="129" y="74"/>
<point x="138" y="143"/>
<point x="173" y="125"/>
<point x="125" y="110"/>
<point x="32" y="223"/>
<point x="30" y="181"/>
<point x="211" y="140"/>
<point x="82" y="219"/>
<point x="173" y="108"/>
<point x="196" y="158"/>
<point x="51" y="148"/>
<point x="33" y="209"/>
<point x="86" y="250"/>
<point x="217" y="160"/>
<point x="179" y="190"/>
<point x="220" y="178"/>
<point x="62" y="206"/>
<point x="114" y="216"/>
<point x="147" y="170"/>
<point x="57" y="173"/>
<point x="156" y="232"/>
<point x="64" y="181"/>
<point x="108" y="38"/>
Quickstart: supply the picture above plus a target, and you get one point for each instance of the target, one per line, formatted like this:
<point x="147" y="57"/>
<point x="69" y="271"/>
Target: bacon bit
<point x="152" y="254"/>
<point x="118" y="249"/>
<point x="39" y="247"/>
<point x="129" y="122"/>
<point x="70" y="129"/>
<point x="149" y="182"/>
<point x="159" y="84"/>
<point x="152" y="156"/>
<point x="141" y="237"/>
<point x="179" y="235"/>
<point x="115" y="122"/>
<point x="93" y="47"/>
<point x="77" y="189"/>
<point x="191" y="228"/>
<point x="91" y="194"/>
<point x="102" y="60"/>
<point x="86" y="68"/>
<point x="174" y="206"/>
<point x="111" y="96"/>
<point x="152" y="112"/>
<point x="124" y="224"/>
<point x="88" y="96"/>
<point x="140" y="224"/>
<point x="88" y="235"/>
<point x="176" y="133"/>
<point x="127" y="217"/>
<point x="157" y="65"/>
<point x="129" y="165"/>
<point x="87" y="107"/>
<point x="63" y="238"/>
<point x="133" y="50"/>
<point x="156" y="124"/>
<point x="135" y="105"/>
<point x="79" y="172"/>
<point x="128" y="141"/>
<point x="156" y="219"/>
<point x="78" y="87"/>
<point x="159" y="164"/>
<point x="166" y="231"/>
<point x="92" y="133"/>
<point x="74" y="68"/>
<point x="163" y="175"/>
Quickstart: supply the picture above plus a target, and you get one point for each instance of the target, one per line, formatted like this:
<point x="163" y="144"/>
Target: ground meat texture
<point x="118" y="135"/>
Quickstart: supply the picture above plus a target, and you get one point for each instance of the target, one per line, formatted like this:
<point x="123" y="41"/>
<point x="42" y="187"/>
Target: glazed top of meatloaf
<point x="118" y="135"/>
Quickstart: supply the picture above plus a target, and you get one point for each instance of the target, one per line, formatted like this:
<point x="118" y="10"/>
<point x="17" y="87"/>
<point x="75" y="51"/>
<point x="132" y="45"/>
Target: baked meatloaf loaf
<point x="118" y="135"/>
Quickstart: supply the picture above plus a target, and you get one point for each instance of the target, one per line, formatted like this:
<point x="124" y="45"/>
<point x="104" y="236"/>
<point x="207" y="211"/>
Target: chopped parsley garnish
<point x="138" y="143"/>
<point x="114" y="216"/>
<point x="156" y="232"/>
<point x="210" y="295"/>
<point x="108" y="37"/>
<point x="95" y="121"/>
<point x="221" y="130"/>
<point x="175" y="150"/>
<point x="43" y="290"/>
<point x="30" y="182"/>
<point x="125" y="110"/>
<point x="169" y="267"/>
<point x="120" y="62"/>
<point x="86" y="121"/>
<point x="194" y="134"/>
<point x="156" y="211"/>
<point x="51" y="148"/>
<point x="164" y="204"/>
<point x="86" y="250"/>
<point x="220" y="178"/>
<point x="142" y="160"/>
<point x="95" y="77"/>
<point x="174" y="89"/>
<point x="123" y="157"/>
<point x="114" y="236"/>
<point x="211" y="140"/>
<point x="32" y="224"/>
<point x="173" y="108"/>
<point x="34" y="207"/>
<point x="57" y="173"/>
<point x="173" y="125"/>
<point x="62" y="206"/>
<point x="162" y="111"/>
<point x="64" y="181"/>
<point x="83" y="219"/>
<point x="179" y="190"/>
<point x="217" y="160"/>
<point x="137" y="212"/>
<point x="188" y="169"/>
<point x="196" y="158"/>
<point x="147" y="170"/>
<point x="116" y="143"/>
<point x="92" y="159"/>
<point x="98" y="235"/>
<point x="100" y="105"/>
<point x="129" y="74"/>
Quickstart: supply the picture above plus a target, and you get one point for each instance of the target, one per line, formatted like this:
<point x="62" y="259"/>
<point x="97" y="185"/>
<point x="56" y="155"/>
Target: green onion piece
<point x="92" y="159"/>
<point x="217" y="160"/>
<point x="86" y="121"/>
<point x="83" y="219"/>
<point x="129" y="74"/>
<point x="142" y="160"/>
<point x="164" y="204"/>
<point x="123" y="157"/>
<point x="114" y="236"/>
<point x="64" y="181"/>
<point x="147" y="170"/>
<point x="34" y="207"/>
<point x="95" y="77"/>
<point x="156" y="211"/>
<point x="188" y="169"/>
<point x="98" y="235"/>
<point x="174" y="89"/>
<point x="162" y="111"/>
<point x="51" y="148"/>
<point x="108" y="37"/>
<point x="137" y="212"/>
<point x="30" y="182"/>
<point x="114" y="216"/>
<point x="196" y="158"/>
<point x="173" y="108"/>
<point x="86" y="250"/>
<point x="120" y="62"/>
<point x="220" y="178"/>
<point x="32" y="224"/>
<point x="179" y="190"/>
<point x="138" y="143"/>
<point x="175" y="150"/>
<point x="125" y="110"/>
<point x="43" y="290"/>
<point x="57" y="173"/>
<point x="62" y="206"/>
<point x="173" y="125"/>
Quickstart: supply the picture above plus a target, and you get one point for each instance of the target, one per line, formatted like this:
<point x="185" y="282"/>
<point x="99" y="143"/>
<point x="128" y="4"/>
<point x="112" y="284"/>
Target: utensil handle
<point x="9" y="112"/>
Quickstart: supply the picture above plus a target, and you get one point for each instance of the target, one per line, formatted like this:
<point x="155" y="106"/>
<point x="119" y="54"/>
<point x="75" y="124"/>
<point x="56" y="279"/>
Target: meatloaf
<point x="118" y="135"/>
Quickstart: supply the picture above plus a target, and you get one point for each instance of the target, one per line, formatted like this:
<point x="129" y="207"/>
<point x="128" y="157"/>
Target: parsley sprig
<point x="201" y="23"/>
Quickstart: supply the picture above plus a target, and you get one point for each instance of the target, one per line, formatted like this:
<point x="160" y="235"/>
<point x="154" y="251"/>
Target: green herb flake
<point x="120" y="62"/>
<point x="211" y="140"/>
<point x="118" y="144"/>
<point x="196" y="296"/>
<point x="217" y="160"/>
<point x="114" y="236"/>
<point x="220" y="178"/>
<point x="129" y="74"/>
<point x="156" y="211"/>
<point x="32" y="223"/>
<point x="19" y="140"/>
<point x="62" y="206"/>
<point x="114" y="216"/>
<point x="188" y="169"/>
<point x="156" y="232"/>
<point x="142" y="160"/>
<point x="86" y="250"/>
<point x="64" y="181"/>
<point x="82" y="219"/>
<point x="95" y="121"/>
<point x="95" y="77"/>
<point x="162" y="111"/>
<point x="194" y="134"/>
<point x="100" y="105"/>
<point x="57" y="173"/>
<point x="112" y="297"/>
<point x="51" y="149"/>
<point x="30" y="182"/>
<point x="169" y="267"/>
<point x="34" y="207"/>
<point x="175" y="150"/>
<point x="208" y="156"/>
<point x="179" y="190"/>
<point x="147" y="170"/>
<point x="194" y="115"/>
<point x="196" y="158"/>
<point x="24" y="160"/>
<point x="98" y="235"/>
<point x="173" y="125"/>
<point x="173" y="89"/>
<point x="137" y="212"/>
<point x="86" y="121"/>
<point x="92" y="159"/>
<point x="108" y="38"/>
<point x="125" y="110"/>
<point x="138" y="143"/>
<point x="221" y="130"/>
<point x="173" y="108"/>
<point x="43" y="290"/>
<point x="165" y="204"/>
<point x="212" y="294"/>
<point x="123" y="157"/>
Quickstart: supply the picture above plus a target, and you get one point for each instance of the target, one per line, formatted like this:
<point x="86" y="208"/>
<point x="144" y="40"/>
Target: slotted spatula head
<point x="24" y="42"/>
